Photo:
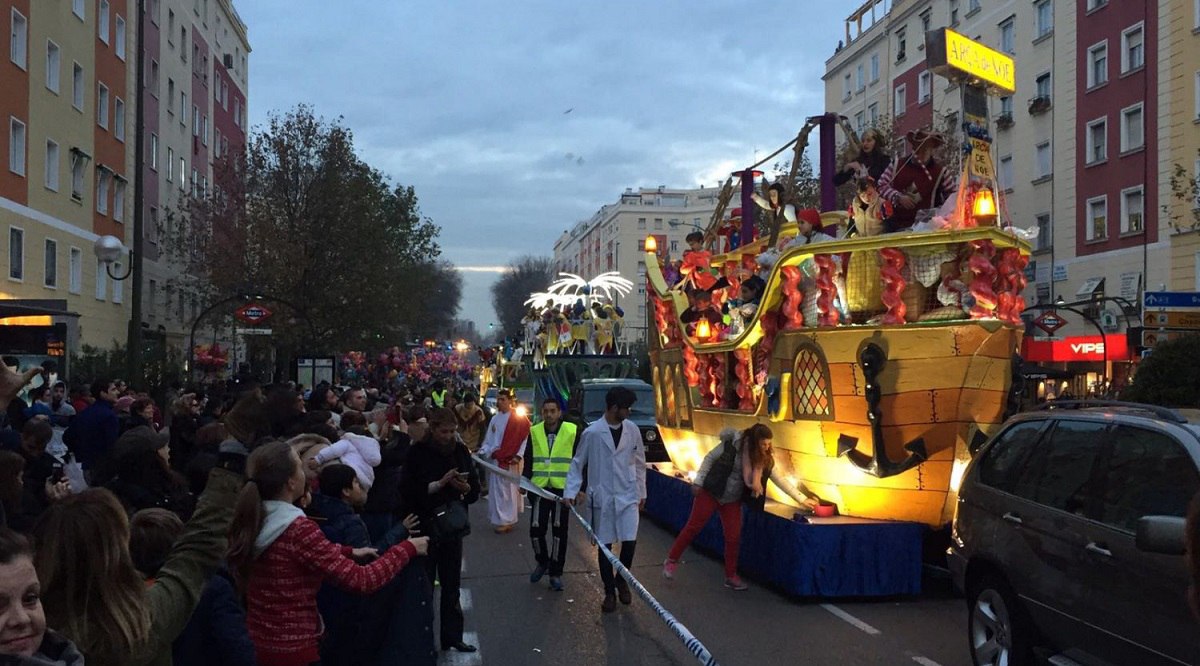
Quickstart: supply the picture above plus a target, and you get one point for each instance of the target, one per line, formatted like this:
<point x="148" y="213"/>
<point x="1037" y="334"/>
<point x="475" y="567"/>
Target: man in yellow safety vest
<point x="552" y="445"/>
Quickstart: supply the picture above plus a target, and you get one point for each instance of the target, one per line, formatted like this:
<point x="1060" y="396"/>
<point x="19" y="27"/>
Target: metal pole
<point x="133" y="360"/>
<point x="828" y="157"/>
<point x="748" y="207"/>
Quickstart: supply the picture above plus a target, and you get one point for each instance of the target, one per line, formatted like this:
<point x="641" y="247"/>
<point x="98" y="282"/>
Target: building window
<point x="873" y="113"/>
<point x="1006" y="106"/>
<point x="1042" y="84"/>
<point x="1097" y="141"/>
<point x="170" y="96"/>
<point x="953" y="13"/>
<point x="119" y="37"/>
<point x="153" y="151"/>
<point x="103" y="19"/>
<point x="75" y="270"/>
<point x="972" y="6"/>
<point x="926" y="20"/>
<point x="1097" y="218"/>
<point x="183" y="108"/>
<point x="18" y="45"/>
<point x="77" y="8"/>
<point x="925" y="86"/>
<point x="195" y="57"/>
<point x="183" y="43"/>
<point x="102" y="106"/>
<point x="1045" y="237"/>
<point x="204" y="130"/>
<point x="195" y="121"/>
<point x="170" y="164"/>
<point x="101" y="281"/>
<point x="641" y="224"/>
<point x="1133" y="52"/>
<point x="51" y="165"/>
<point x="182" y="174"/>
<point x="901" y="45"/>
<point x="77" y="86"/>
<point x="119" y="201"/>
<point x="1133" y="204"/>
<point x="859" y="122"/>
<point x="900" y="101"/>
<point x="171" y="28"/>
<point x="50" y="276"/>
<point x="16" y="146"/>
<point x="860" y="81"/>
<point x="1008" y="36"/>
<point x="1095" y="4"/>
<point x="658" y="223"/>
<point x="118" y="285"/>
<point x="53" y="65"/>
<point x="874" y="67"/>
<point x="77" y="175"/>
<point x="846" y="87"/>
<point x="153" y="83"/>
<point x="119" y="119"/>
<point x="1043" y="18"/>
<point x="1098" y="64"/>
<point x="1006" y="173"/>
<point x="1133" y="135"/>
<point x="1043" y="159"/>
<point x="642" y="245"/>
<point x="16" y="253"/>
<point x="103" y="179"/>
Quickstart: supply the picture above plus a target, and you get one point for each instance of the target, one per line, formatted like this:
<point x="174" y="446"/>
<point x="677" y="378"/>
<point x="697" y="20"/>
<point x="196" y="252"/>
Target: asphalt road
<point x="515" y="622"/>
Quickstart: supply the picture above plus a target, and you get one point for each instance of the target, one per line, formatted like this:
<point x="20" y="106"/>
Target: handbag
<point x="451" y="521"/>
<point x="722" y="467"/>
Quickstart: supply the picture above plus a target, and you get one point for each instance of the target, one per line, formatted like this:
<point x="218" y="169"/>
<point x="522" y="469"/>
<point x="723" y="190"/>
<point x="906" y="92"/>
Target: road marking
<point x="465" y="600"/>
<point x="925" y="661"/>
<point x="456" y="658"/>
<point x="855" y="622"/>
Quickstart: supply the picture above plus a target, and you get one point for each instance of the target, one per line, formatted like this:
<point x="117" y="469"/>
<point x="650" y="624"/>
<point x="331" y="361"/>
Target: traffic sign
<point x="253" y="313"/>
<point x="1049" y="321"/>
<point x="1169" y="319"/>
<point x="1171" y="299"/>
<point x="1151" y="338"/>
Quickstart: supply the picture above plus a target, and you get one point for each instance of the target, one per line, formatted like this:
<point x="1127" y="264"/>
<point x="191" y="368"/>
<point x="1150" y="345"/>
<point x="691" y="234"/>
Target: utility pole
<point x="134" y="343"/>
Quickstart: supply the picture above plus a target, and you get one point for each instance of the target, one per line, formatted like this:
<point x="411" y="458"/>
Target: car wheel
<point x="999" y="632"/>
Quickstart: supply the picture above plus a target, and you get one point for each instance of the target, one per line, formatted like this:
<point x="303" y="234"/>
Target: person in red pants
<point x="739" y="467"/>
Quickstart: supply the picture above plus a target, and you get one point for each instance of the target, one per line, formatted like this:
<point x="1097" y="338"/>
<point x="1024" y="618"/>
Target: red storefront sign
<point x="1085" y="348"/>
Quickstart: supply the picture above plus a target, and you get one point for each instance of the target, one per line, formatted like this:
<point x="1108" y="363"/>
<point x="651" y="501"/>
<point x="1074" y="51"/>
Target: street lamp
<point x="108" y="249"/>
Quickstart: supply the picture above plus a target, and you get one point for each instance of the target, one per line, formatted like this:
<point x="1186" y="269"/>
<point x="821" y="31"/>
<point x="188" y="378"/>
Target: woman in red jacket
<point x="279" y="558"/>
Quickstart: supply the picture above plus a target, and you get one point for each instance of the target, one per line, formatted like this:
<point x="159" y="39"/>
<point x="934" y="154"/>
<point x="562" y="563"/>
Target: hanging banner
<point x="980" y="163"/>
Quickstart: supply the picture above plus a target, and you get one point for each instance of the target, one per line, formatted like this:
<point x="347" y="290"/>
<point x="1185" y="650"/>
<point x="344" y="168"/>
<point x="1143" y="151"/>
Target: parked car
<point x="1068" y="537"/>
<point x="586" y="405"/>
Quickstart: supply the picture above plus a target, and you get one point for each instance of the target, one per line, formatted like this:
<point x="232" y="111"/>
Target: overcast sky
<point x="515" y="120"/>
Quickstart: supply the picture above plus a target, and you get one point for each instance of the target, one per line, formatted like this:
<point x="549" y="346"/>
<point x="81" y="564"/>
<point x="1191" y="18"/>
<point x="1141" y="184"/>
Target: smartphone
<point x="57" y="473"/>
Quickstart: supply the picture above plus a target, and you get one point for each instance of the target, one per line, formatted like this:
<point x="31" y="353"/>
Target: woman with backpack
<point x="736" y="470"/>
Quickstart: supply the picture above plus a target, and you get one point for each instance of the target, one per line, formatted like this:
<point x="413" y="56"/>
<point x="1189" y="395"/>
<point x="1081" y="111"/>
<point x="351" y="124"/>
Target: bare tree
<point x="509" y="293"/>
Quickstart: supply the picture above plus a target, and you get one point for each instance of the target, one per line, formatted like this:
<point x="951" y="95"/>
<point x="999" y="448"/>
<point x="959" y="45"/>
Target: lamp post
<point x="108" y="249"/>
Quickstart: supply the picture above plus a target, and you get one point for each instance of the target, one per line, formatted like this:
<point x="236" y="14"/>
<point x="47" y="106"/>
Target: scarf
<point x="516" y="431"/>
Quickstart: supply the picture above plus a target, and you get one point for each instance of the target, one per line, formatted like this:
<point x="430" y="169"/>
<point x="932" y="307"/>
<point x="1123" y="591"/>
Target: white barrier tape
<point x="690" y="642"/>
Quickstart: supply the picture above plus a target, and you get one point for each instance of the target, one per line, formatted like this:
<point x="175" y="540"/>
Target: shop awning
<point x="1036" y="371"/>
<point x="24" y="309"/>
<point x="1091" y="286"/>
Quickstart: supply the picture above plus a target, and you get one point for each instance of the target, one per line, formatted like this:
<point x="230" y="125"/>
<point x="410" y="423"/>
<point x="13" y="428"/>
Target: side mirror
<point x="1165" y="535"/>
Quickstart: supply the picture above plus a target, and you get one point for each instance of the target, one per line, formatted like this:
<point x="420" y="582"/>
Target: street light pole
<point x="133" y="361"/>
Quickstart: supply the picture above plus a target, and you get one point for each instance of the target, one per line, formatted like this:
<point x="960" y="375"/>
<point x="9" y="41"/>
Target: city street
<point x="515" y="622"/>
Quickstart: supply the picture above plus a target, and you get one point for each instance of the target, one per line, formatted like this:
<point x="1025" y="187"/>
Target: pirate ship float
<point x="878" y="378"/>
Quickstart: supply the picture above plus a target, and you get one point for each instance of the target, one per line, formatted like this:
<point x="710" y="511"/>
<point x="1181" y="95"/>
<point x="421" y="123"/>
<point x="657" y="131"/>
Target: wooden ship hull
<point x="879" y="418"/>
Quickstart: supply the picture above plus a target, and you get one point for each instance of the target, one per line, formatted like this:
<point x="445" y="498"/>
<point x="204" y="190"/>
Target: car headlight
<point x="651" y="435"/>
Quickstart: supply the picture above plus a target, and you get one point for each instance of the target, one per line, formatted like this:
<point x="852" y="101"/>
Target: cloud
<point x="464" y="101"/>
<point x="482" y="269"/>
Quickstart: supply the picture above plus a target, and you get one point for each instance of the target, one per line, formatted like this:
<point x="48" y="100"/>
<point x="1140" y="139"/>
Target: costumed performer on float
<point x="917" y="181"/>
<point x="504" y="443"/>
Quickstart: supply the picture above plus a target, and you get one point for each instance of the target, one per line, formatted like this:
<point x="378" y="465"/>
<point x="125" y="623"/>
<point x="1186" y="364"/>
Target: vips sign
<point x="959" y="58"/>
<point x="1076" y="348"/>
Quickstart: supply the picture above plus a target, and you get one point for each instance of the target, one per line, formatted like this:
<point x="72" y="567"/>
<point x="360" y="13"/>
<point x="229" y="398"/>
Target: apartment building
<point x="66" y="133"/>
<point x="68" y="118"/>
<point x="1106" y="102"/>
<point x="614" y="239"/>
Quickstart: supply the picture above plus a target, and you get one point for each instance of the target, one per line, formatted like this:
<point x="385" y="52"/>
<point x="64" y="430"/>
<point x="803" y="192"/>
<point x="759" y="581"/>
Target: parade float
<point x="879" y="360"/>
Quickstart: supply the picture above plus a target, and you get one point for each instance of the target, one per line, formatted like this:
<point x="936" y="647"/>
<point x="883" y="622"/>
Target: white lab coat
<point x="616" y="477"/>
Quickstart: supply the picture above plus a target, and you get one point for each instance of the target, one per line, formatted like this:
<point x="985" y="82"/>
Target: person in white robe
<point x="504" y="494"/>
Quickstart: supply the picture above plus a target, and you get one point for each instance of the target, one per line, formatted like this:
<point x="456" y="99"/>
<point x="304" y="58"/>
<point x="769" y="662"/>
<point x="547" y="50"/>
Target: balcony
<point x="1004" y="121"/>
<point x="1039" y="105"/>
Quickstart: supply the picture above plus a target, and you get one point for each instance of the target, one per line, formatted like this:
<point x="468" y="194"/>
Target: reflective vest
<point x="439" y="398"/>
<point x="550" y="466"/>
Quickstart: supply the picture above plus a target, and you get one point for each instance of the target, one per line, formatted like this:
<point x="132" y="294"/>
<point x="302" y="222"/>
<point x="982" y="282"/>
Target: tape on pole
<point x="690" y="642"/>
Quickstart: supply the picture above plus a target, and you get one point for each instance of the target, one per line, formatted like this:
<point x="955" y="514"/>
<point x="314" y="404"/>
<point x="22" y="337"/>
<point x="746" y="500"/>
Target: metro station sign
<point x="1049" y="321"/>
<point x="253" y="313"/>
<point x="957" y="57"/>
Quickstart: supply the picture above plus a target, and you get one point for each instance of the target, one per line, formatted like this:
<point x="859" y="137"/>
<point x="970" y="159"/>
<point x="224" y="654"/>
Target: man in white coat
<point x="613" y="456"/>
<point x="504" y="443"/>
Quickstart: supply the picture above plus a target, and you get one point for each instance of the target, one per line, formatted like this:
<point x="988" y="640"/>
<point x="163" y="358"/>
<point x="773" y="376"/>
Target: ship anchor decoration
<point x="878" y="464"/>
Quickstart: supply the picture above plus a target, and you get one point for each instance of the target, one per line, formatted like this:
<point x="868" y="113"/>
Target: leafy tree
<point x="301" y="218"/>
<point x="523" y="277"/>
<point x="1170" y="376"/>
<point x="1185" y="190"/>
